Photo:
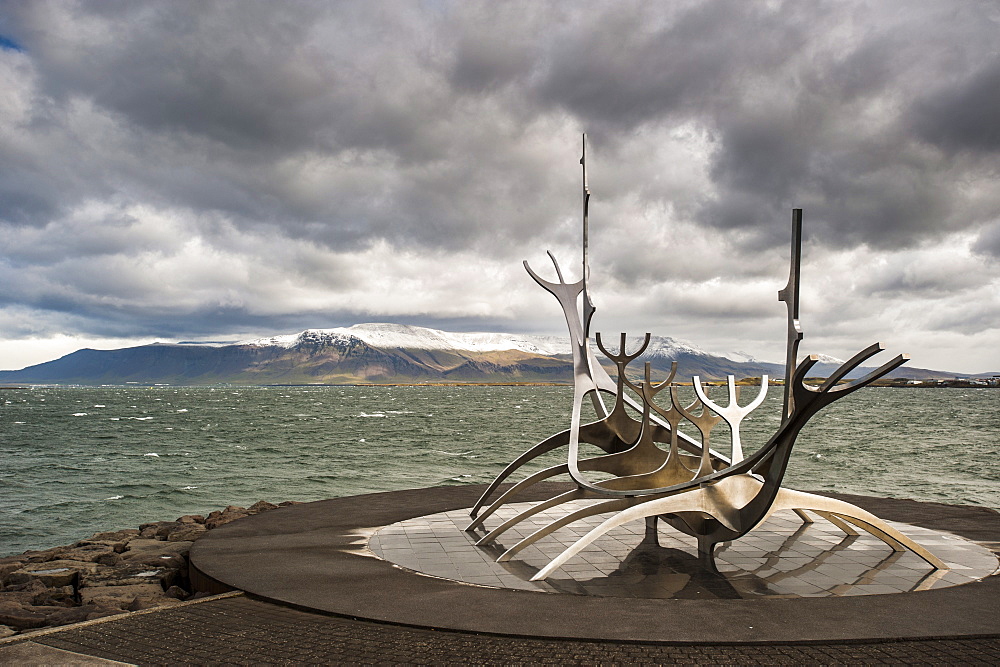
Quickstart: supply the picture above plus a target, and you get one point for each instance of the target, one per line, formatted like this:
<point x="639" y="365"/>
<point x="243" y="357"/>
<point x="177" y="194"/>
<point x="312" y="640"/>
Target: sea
<point x="78" y="460"/>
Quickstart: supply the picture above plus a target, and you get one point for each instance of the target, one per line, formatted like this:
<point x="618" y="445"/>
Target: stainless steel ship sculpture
<point x="688" y="485"/>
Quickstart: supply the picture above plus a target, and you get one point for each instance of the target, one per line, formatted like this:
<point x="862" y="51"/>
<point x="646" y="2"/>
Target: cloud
<point x="201" y="169"/>
<point x="962" y="116"/>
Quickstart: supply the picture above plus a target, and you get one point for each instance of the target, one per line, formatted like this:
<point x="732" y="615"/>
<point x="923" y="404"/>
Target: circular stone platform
<point x="316" y="556"/>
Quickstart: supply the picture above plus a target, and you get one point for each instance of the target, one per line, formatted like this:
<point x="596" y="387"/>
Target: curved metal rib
<point x="705" y="422"/>
<point x="575" y="494"/>
<point x="860" y="518"/>
<point x="597" y="508"/>
<point x="732" y="413"/>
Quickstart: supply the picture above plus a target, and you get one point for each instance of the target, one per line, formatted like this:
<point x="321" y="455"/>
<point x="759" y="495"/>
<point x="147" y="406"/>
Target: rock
<point x="157" y="529"/>
<point x="108" y="559"/>
<point x="20" y="617"/>
<point x="65" y="616"/>
<point x="157" y="554"/>
<point x="120" y="597"/>
<point x="165" y="528"/>
<point x="261" y="506"/>
<point x="191" y="518"/>
<point x="139" y="604"/>
<point x="117" y="540"/>
<point x="51" y="573"/>
<point x="24" y="593"/>
<point x="42" y="556"/>
<point x="59" y="596"/>
<point x="23" y="599"/>
<point x="176" y="592"/>
<point x="87" y="552"/>
<point x="6" y="631"/>
<point x="230" y="514"/>
<point x="286" y="503"/>
<point x="10" y="566"/>
<point x="122" y="575"/>
<point x="187" y="532"/>
<point x="113" y="536"/>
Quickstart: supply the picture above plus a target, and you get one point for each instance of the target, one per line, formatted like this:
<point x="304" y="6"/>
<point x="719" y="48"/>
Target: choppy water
<point x="77" y="460"/>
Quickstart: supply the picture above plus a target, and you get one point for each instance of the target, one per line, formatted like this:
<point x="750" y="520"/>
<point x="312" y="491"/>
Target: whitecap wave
<point x="152" y="454"/>
<point x="115" y="498"/>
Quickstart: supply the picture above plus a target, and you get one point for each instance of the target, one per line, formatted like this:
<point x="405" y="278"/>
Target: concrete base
<point x="314" y="556"/>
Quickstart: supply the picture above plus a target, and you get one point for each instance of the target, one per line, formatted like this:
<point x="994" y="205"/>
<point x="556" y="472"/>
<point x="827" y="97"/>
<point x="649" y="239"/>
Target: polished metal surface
<point x="790" y="295"/>
<point x="698" y="491"/>
<point x="783" y="558"/>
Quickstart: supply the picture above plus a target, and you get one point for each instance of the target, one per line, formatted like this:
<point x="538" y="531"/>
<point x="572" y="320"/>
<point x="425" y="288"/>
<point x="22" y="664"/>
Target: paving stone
<point x="241" y="630"/>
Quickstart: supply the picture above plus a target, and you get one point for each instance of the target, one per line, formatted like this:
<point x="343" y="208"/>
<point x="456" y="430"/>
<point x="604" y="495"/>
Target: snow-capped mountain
<point x="380" y="353"/>
<point x="403" y="336"/>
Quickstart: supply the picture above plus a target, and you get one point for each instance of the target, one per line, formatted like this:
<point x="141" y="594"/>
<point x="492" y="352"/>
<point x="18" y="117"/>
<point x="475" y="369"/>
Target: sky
<point x="217" y="171"/>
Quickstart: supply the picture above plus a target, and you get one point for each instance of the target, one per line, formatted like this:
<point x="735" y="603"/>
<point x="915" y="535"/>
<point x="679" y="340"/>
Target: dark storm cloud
<point x="963" y="116"/>
<point x="808" y="105"/>
<point x="190" y="148"/>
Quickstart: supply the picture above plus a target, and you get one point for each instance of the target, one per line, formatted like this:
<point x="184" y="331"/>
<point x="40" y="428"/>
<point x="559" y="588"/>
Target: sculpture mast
<point x="790" y="295"/>
<point x="588" y="305"/>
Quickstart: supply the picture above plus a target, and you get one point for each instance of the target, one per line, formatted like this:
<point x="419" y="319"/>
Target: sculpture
<point x="689" y="486"/>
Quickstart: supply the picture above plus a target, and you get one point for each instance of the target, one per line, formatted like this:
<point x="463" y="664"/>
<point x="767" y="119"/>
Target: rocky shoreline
<point x="107" y="573"/>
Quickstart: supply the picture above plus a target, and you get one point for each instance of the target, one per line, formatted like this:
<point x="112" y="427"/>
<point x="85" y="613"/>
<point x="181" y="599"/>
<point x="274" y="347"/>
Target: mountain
<point x="382" y="353"/>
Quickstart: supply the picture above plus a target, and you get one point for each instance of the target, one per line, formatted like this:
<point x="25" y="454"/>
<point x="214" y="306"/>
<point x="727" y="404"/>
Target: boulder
<point x="286" y="503"/>
<point x="120" y="597"/>
<point x="88" y="552"/>
<point x="140" y="603"/>
<point x="25" y="593"/>
<point x="108" y="559"/>
<point x="228" y="515"/>
<point x="19" y="616"/>
<point x="51" y="573"/>
<point x="58" y="596"/>
<point x="67" y="615"/>
<point x="158" y="529"/>
<point x="176" y="592"/>
<point x="126" y="574"/>
<point x="155" y="553"/>
<point x="165" y="528"/>
<point x="191" y="518"/>
<point x="113" y="536"/>
<point x="6" y="631"/>
<point x="10" y="566"/>
<point x="117" y="540"/>
<point x="41" y="556"/>
<point x="187" y="532"/>
<point x="261" y="506"/>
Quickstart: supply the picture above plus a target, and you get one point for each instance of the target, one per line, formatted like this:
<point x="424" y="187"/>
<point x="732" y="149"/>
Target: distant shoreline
<point x="884" y="384"/>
